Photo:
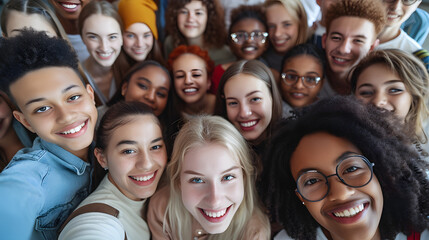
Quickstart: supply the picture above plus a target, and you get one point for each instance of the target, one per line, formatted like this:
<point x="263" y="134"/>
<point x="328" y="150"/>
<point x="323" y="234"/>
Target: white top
<point x="312" y="10"/>
<point x="79" y="47"/>
<point x="403" y="42"/>
<point x="286" y="113"/>
<point x="94" y="225"/>
<point x="282" y="235"/>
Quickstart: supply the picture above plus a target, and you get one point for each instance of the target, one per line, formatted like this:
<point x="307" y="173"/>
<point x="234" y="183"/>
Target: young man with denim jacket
<point x="42" y="185"/>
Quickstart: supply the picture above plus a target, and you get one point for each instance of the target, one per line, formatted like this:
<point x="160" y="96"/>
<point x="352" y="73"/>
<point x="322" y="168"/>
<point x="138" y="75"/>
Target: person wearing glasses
<point x="345" y="173"/>
<point x="247" y="38"/>
<point x="302" y="77"/>
<point x="392" y="36"/>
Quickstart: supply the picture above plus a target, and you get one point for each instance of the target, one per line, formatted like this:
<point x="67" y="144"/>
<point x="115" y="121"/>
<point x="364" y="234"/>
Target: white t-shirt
<point x="403" y="42"/>
<point x="94" y="225"/>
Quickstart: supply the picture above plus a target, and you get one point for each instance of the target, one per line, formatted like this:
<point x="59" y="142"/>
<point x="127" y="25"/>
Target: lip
<point x="138" y="51"/>
<point x="340" y="60"/>
<point x="215" y="219"/>
<point x="350" y="219"/>
<point x="186" y="91"/>
<point x="248" y="125"/>
<point x="298" y="95"/>
<point x="100" y="56"/>
<point x="280" y="42"/>
<point x="144" y="183"/>
<point x="75" y="125"/>
<point x="249" y="49"/>
<point x="70" y="6"/>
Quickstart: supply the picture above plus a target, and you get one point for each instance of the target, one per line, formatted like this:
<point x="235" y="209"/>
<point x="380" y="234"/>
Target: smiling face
<point x="192" y="19"/>
<point x="57" y="107"/>
<point x="135" y="156"/>
<point x="398" y="13"/>
<point x="103" y="39"/>
<point x="138" y="41"/>
<point x="68" y="9"/>
<point x="297" y="94"/>
<point x="383" y="88"/>
<point x="282" y="28"/>
<point x="190" y="78"/>
<point x="212" y="186"/>
<point x="321" y="151"/>
<point x="348" y="41"/>
<point x="17" y="21"/>
<point x="149" y="85"/>
<point x="248" y="104"/>
<point x="251" y="48"/>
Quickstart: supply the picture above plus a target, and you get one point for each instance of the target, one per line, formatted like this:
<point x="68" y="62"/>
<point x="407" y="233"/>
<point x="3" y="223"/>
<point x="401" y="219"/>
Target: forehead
<point x="319" y="151"/>
<point x="154" y="74"/>
<point x="101" y="23"/>
<point x="194" y="4"/>
<point x="142" y="128"/>
<point x="353" y="26"/>
<point x="44" y="83"/>
<point x="378" y="73"/>
<point x="20" y="20"/>
<point x="248" y="24"/>
<point x="188" y="61"/>
<point x="243" y="84"/>
<point x="277" y="13"/>
<point x="138" y="28"/>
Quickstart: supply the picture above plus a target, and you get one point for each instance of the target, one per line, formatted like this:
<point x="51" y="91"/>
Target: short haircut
<point x="32" y="51"/>
<point x="370" y="10"/>
<point x="248" y="12"/>
<point x="379" y="136"/>
<point x="307" y="49"/>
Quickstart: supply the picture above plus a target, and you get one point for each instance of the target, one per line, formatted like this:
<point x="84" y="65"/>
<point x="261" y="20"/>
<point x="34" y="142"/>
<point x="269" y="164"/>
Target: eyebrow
<point x="341" y="157"/>
<point x="385" y="83"/>
<point x="131" y="142"/>
<point x="42" y="98"/>
<point x="356" y="36"/>
<point x="200" y="174"/>
<point x="247" y="95"/>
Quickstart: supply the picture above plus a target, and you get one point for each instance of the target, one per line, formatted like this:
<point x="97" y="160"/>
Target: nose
<point x="188" y="79"/>
<point x="299" y="84"/>
<point x="190" y="17"/>
<point x="104" y="45"/>
<point x="139" y="42"/>
<point x="64" y="114"/>
<point x="277" y="31"/>
<point x="245" y="111"/>
<point x="338" y="191"/>
<point x="214" y="195"/>
<point x="144" y="161"/>
<point x="395" y="5"/>
<point x="345" y="46"/>
<point x="150" y="95"/>
<point x="379" y="100"/>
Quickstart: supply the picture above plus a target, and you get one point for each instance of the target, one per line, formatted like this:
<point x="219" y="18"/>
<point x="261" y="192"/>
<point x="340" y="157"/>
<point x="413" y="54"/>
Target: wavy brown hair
<point x="215" y="33"/>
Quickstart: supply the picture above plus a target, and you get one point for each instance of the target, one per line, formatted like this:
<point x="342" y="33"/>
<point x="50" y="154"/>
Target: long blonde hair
<point x="198" y="131"/>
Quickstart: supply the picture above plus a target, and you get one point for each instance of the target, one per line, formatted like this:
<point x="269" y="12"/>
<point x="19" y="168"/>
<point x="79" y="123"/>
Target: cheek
<point x="190" y="196"/>
<point x="231" y="113"/>
<point x="128" y="42"/>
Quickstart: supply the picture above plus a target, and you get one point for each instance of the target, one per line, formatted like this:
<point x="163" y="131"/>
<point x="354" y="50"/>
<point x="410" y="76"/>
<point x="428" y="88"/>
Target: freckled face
<point x="321" y="151"/>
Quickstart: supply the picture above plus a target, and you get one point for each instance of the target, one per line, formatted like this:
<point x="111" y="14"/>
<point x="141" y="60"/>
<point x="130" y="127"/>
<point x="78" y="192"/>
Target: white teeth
<point x="139" y="51"/>
<point x="248" y="124"/>
<point x="350" y="212"/>
<point x="190" y="90"/>
<point x="278" y="42"/>
<point x="143" y="179"/>
<point x="105" y="54"/>
<point x="298" y="94"/>
<point x="249" y="49"/>
<point x="215" y="214"/>
<point x="74" y="130"/>
<point x="339" y="59"/>
<point x="69" y="6"/>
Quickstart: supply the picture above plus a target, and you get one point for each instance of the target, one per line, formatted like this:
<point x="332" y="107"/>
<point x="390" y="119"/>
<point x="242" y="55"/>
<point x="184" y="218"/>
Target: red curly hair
<point x="193" y="49"/>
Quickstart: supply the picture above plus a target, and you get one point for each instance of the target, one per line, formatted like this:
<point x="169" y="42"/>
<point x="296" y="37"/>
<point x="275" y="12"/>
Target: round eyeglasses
<point x="241" y="37"/>
<point x="353" y="170"/>
<point x="405" y="2"/>
<point x="291" y="79"/>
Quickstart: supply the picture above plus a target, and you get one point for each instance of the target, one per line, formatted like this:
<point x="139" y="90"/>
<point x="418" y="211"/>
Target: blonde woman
<point x="211" y="193"/>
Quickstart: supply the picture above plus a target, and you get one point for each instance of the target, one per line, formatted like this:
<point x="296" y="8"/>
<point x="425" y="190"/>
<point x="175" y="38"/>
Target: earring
<point x="106" y="168"/>
<point x="303" y="203"/>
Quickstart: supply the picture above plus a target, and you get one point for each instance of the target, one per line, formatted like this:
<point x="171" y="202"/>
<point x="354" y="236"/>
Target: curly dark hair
<point x="371" y="10"/>
<point x="379" y="136"/>
<point x="247" y="11"/>
<point x="31" y="51"/>
<point x="215" y="33"/>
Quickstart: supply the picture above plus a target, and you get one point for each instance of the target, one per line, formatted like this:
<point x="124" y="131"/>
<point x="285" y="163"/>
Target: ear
<point x="20" y="117"/>
<point x="209" y="84"/>
<point x="100" y="157"/>
<point x="124" y="88"/>
<point x="324" y="36"/>
<point x="375" y="44"/>
<point x="90" y="92"/>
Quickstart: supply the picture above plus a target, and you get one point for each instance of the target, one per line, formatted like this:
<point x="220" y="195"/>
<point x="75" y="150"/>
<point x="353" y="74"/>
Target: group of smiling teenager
<point x="284" y="158"/>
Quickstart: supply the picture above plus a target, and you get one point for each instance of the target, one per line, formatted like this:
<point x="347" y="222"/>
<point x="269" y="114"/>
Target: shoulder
<point x="258" y="227"/>
<point x="158" y="202"/>
<point x="93" y="225"/>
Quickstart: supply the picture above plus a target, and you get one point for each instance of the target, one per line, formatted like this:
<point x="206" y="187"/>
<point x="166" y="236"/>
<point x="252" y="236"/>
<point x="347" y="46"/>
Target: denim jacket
<point x="39" y="188"/>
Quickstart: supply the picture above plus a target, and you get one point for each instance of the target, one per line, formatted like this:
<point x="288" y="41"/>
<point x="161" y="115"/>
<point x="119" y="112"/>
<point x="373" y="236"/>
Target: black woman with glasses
<point x="341" y="170"/>
<point x="247" y="39"/>
<point x="303" y="72"/>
